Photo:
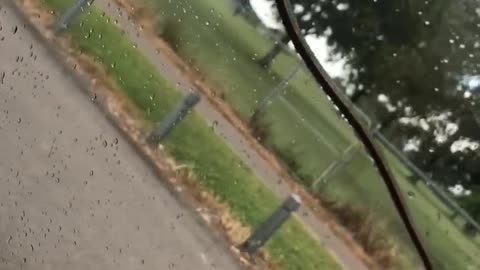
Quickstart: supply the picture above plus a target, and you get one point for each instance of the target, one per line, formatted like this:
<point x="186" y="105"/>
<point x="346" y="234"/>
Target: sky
<point x="319" y="46"/>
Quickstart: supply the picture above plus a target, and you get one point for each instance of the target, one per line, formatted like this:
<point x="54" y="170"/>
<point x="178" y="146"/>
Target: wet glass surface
<point x="76" y="191"/>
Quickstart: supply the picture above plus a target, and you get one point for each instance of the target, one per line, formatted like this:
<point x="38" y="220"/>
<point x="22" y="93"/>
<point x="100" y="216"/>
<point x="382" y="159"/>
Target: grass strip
<point x="217" y="168"/>
<point x="303" y="128"/>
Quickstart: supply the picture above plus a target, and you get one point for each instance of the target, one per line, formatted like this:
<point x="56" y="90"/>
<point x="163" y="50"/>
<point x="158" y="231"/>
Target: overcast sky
<point x="319" y="46"/>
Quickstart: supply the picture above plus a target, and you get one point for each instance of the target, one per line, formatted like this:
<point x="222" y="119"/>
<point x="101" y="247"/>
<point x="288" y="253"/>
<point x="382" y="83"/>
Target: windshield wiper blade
<point x="286" y="14"/>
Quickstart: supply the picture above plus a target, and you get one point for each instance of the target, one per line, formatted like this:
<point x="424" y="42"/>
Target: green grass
<point x="243" y="82"/>
<point x="439" y="233"/>
<point x="217" y="168"/>
<point x="304" y="125"/>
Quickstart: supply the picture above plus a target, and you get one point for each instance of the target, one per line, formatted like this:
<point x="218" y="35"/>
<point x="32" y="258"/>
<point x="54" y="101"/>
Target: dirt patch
<point x="106" y="93"/>
<point x="142" y="17"/>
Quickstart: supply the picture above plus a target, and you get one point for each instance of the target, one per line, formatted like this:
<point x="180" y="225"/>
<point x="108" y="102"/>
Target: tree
<point x="437" y="152"/>
<point x="413" y="52"/>
<point x="390" y="44"/>
<point x="420" y="56"/>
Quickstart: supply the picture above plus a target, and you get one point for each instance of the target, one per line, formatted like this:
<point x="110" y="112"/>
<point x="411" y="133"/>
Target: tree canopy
<point x="416" y="56"/>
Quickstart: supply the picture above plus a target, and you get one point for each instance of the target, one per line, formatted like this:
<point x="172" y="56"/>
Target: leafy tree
<point x="397" y="47"/>
<point x="414" y="52"/>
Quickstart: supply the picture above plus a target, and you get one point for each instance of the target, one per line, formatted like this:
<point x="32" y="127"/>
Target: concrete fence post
<point x="271" y="225"/>
<point x="69" y="15"/>
<point x="173" y="119"/>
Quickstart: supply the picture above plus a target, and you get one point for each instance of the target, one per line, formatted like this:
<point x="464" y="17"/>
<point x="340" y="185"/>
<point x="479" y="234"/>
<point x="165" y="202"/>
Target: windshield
<point x="160" y="134"/>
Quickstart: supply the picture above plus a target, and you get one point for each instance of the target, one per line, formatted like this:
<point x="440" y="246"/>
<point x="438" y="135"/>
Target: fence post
<point x="335" y="166"/>
<point x="277" y="90"/>
<point x="271" y="225"/>
<point x="69" y="15"/>
<point x="174" y="118"/>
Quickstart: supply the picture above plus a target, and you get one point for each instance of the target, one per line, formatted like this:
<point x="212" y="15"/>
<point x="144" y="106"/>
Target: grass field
<point x="304" y="127"/>
<point x="192" y="142"/>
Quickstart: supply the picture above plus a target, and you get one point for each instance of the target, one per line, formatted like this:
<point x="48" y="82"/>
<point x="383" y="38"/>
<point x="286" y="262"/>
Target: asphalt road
<point x="337" y="247"/>
<point x="73" y="193"/>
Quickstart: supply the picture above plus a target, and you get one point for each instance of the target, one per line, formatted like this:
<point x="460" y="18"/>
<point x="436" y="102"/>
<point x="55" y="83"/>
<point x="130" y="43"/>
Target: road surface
<point x="73" y="193"/>
<point x="338" y="248"/>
